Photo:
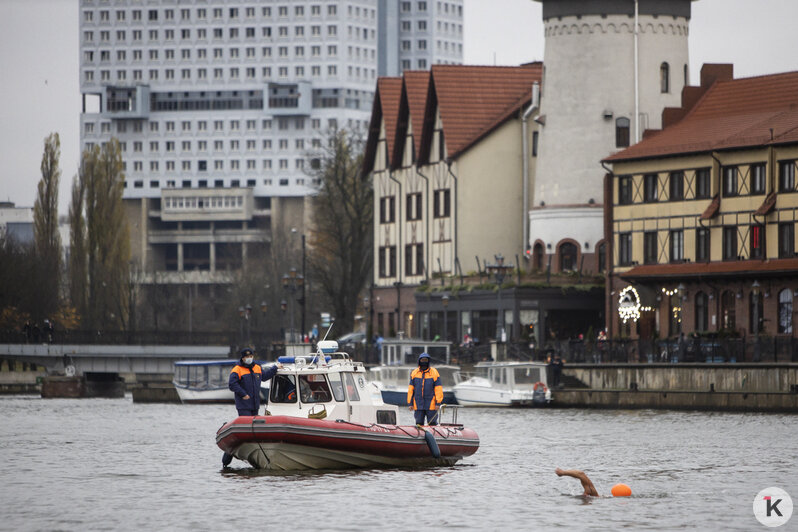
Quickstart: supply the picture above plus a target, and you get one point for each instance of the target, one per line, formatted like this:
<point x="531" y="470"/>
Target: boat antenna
<point x="328" y="330"/>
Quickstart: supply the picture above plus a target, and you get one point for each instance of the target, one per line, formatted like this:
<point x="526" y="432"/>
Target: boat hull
<point x="285" y="443"/>
<point x="486" y="396"/>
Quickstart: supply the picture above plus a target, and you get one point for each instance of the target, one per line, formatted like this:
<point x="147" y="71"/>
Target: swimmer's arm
<point x="588" y="486"/>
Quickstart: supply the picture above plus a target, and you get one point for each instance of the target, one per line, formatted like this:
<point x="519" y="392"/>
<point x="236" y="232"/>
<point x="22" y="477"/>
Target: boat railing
<point x="448" y="410"/>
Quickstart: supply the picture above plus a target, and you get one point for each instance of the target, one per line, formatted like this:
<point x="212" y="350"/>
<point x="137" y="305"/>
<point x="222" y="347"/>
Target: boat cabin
<point x="330" y="386"/>
<point x="512" y="375"/>
<point x="397" y="352"/>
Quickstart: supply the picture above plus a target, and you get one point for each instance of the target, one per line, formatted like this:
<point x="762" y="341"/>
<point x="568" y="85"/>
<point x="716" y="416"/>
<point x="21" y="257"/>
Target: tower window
<point x="665" y="78"/>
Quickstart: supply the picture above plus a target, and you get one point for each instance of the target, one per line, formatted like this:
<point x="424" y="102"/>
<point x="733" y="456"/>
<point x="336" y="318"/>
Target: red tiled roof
<point x="390" y="90"/>
<point x="472" y="99"/>
<point x="739" y="113"/>
<point x="417" y="89"/>
<point x="712" y="269"/>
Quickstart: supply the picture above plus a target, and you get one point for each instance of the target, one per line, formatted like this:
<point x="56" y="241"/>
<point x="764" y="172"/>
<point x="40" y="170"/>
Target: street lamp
<point x="283" y="306"/>
<point x="291" y="282"/>
<point x="445" y="303"/>
<point x="302" y="297"/>
<point x="264" y="307"/>
<point x="244" y="313"/>
<point x="499" y="269"/>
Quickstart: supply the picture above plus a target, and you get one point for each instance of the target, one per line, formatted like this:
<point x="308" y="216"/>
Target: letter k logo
<point x="773" y="506"/>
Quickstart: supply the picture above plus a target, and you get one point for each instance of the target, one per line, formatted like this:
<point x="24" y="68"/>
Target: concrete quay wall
<point x="763" y="378"/>
<point x="735" y="387"/>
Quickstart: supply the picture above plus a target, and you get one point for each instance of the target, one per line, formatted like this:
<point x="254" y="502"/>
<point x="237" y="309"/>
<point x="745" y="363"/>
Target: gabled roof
<point x="416" y="88"/>
<point x="733" y="114"/>
<point x="385" y="104"/>
<point x="473" y="100"/>
<point x="390" y="90"/>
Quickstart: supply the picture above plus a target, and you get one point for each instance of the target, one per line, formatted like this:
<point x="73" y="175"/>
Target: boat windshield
<point x="337" y="385"/>
<point x="313" y="388"/>
<point x="528" y="375"/>
<point x="283" y="389"/>
<point x="447" y="375"/>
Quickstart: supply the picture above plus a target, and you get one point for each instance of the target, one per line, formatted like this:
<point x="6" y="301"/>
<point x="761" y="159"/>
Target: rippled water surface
<point x="115" y="465"/>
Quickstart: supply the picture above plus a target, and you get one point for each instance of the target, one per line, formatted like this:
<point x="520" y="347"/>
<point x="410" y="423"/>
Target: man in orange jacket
<point x="425" y="392"/>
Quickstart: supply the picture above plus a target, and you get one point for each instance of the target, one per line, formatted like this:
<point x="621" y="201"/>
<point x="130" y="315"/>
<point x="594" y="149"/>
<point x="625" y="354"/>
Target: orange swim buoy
<point x="621" y="490"/>
<point x="539" y="385"/>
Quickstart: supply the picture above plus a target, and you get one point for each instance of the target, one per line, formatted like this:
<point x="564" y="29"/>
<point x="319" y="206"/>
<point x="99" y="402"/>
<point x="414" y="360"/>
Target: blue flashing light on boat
<point x="309" y="359"/>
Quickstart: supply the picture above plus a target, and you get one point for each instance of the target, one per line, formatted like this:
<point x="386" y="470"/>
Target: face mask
<point x="248" y="360"/>
<point x="423" y="365"/>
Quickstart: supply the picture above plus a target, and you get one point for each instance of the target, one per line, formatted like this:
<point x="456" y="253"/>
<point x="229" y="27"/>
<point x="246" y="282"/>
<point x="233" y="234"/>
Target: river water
<point x="110" y="464"/>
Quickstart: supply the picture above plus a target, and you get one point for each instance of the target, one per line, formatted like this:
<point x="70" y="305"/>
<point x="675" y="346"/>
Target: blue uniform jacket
<point x="246" y="381"/>
<point x="425" y="391"/>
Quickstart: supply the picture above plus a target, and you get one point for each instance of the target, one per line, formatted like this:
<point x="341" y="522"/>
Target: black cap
<point x="246" y="351"/>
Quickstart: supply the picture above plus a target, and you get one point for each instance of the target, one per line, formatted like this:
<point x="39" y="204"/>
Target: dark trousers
<point x="431" y="415"/>
<point x="247" y="412"/>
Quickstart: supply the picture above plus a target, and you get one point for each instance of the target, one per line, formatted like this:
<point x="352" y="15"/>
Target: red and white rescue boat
<point x="337" y="420"/>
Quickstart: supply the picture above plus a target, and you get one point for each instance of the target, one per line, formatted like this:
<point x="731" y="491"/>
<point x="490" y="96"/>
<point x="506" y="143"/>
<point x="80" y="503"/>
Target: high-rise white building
<point x="218" y="106"/>
<point x="413" y="35"/>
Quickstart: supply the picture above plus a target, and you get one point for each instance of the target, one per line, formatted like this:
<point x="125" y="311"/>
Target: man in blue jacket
<point x="425" y="392"/>
<point x="245" y="379"/>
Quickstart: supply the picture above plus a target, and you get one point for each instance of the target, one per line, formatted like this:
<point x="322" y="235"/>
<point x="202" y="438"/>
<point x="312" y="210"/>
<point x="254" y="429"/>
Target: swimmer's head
<point x="621" y="490"/>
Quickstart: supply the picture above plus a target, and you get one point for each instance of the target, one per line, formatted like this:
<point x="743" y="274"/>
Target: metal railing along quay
<point x="693" y="350"/>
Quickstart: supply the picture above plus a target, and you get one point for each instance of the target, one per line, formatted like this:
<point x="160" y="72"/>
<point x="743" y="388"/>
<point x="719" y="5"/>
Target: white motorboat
<point x="206" y="381"/>
<point x="506" y="383"/>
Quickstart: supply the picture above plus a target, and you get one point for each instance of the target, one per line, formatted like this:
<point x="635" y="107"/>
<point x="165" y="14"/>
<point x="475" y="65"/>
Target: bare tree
<point x="45" y="228"/>
<point x="340" y="254"/>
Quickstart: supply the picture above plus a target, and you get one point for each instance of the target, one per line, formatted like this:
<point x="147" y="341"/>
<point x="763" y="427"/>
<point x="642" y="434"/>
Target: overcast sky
<point x="39" y="90"/>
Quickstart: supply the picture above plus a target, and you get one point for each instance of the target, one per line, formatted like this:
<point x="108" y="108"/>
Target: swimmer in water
<point x="590" y="489"/>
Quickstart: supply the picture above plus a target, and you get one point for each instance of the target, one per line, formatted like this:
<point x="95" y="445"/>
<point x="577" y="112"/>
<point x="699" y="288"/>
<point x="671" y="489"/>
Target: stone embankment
<point x="735" y="387"/>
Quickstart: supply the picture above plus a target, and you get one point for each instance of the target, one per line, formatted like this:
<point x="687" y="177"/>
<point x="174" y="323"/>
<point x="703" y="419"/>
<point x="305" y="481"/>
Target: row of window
<point x="218" y="34"/>
<point x="283" y="124"/>
<point x="421" y="25"/>
<point x="728" y="314"/>
<point x="218" y="145"/>
<point x="653" y="248"/>
<point x="232" y="52"/>
<point x="219" y="165"/>
<point x="441" y="206"/>
<point x="219" y="183"/>
<point x="735" y="181"/>
<point x="421" y="44"/>
<point x="233" y="73"/>
<point x="414" y="260"/>
<point x="153" y="15"/>
<point x="213" y="202"/>
<point x="443" y="7"/>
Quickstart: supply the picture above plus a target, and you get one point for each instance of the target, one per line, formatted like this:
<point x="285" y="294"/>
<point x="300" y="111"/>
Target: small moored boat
<point x="205" y="381"/>
<point x="323" y="413"/>
<point x="505" y="383"/>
